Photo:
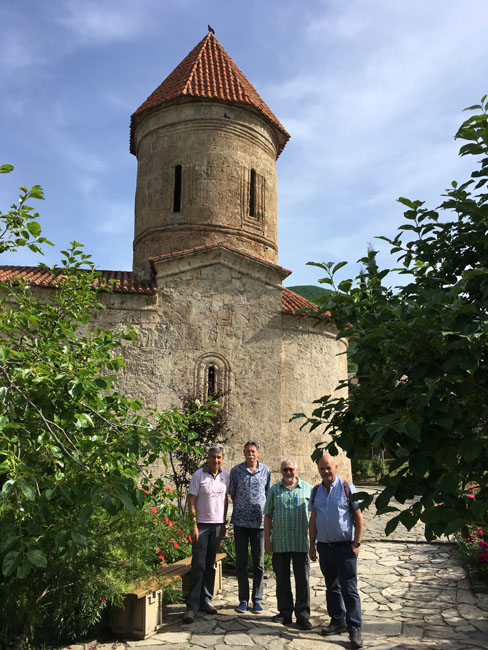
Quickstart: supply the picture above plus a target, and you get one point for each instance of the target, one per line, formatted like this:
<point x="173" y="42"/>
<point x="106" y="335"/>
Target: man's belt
<point x="336" y="543"/>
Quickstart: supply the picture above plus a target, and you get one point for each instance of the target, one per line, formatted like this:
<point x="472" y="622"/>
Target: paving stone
<point x="385" y="628"/>
<point x="238" y="639"/>
<point x="207" y="640"/>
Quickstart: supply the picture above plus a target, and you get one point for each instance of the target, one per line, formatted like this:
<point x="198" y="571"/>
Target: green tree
<point x="74" y="452"/>
<point x="422" y="356"/>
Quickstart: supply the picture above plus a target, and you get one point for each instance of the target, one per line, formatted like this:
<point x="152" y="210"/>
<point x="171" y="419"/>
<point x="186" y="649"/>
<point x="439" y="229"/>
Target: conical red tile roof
<point x="209" y="72"/>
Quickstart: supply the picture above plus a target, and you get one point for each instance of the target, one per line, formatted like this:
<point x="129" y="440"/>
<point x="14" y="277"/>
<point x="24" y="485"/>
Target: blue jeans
<point x="242" y="537"/>
<point x="284" y="596"/>
<point x="202" y="574"/>
<point x="339" y="568"/>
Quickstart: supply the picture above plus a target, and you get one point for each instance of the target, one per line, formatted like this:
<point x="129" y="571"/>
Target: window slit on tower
<point x="252" y="194"/>
<point x="177" y="189"/>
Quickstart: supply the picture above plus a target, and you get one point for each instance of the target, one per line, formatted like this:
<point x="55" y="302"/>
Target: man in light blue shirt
<point x="250" y="482"/>
<point x="336" y="524"/>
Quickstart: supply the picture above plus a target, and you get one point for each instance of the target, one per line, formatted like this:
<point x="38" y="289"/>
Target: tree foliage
<point x="74" y="451"/>
<point x="421" y="351"/>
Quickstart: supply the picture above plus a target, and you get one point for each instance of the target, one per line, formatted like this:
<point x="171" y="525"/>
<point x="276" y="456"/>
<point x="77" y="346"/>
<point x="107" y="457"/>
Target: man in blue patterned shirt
<point x="250" y="482"/>
<point x="286" y="512"/>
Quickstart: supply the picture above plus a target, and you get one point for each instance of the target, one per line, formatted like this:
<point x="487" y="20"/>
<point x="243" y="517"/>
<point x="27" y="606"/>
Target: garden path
<point x="415" y="596"/>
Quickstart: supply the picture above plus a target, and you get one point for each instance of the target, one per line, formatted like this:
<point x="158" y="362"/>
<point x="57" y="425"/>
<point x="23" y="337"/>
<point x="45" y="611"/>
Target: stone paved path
<point x="414" y="596"/>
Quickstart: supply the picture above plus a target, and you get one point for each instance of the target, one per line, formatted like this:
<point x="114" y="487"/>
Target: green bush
<point x="83" y="581"/>
<point x="378" y="467"/>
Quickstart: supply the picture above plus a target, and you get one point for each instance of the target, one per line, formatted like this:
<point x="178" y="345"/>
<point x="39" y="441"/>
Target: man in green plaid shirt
<point x="286" y="513"/>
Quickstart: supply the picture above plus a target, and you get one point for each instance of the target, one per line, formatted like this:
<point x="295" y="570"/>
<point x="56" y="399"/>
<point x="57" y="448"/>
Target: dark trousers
<point x="202" y="574"/>
<point x="339" y="568"/>
<point x="284" y="596"/>
<point x="242" y="537"/>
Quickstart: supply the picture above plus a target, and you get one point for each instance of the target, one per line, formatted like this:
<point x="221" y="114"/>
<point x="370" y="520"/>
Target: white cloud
<point x="114" y="217"/>
<point x="105" y="21"/>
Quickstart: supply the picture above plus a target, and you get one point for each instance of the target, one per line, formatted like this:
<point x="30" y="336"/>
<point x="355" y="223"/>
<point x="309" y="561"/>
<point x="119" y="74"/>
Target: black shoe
<point x="304" y="624"/>
<point x="333" y="628"/>
<point x="284" y="620"/>
<point x="356" y="639"/>
<point x="208" y="607"/>
<point x="189" y="616"/>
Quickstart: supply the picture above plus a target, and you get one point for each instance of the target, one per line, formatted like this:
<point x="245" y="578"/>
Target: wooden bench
<point x="142" y="610"/>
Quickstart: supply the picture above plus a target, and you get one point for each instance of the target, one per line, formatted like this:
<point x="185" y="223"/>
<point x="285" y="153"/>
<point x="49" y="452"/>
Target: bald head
<point x="327" y="469"/>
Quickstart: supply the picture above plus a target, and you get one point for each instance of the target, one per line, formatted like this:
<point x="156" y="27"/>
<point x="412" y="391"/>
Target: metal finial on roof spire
<point x="211" y="29"/>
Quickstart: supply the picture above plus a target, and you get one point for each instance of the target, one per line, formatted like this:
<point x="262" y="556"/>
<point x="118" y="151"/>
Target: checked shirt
<point x="289" y="509"/>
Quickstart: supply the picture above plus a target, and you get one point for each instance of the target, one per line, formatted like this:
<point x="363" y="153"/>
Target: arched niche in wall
<point x="212" y="376"/>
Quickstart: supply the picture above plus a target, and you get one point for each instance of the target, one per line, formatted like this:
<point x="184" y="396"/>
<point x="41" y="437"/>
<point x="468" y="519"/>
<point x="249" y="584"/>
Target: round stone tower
<point x="206" y="145"/>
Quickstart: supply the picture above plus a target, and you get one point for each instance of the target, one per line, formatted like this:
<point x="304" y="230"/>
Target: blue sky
<point x="371" y="91"/>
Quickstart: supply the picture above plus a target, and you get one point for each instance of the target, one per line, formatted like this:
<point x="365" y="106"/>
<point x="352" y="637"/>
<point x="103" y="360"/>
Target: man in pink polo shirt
<point x="207" y="502"/>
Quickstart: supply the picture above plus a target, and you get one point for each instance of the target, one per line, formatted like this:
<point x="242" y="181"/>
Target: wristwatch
<point x="356" y="544"/>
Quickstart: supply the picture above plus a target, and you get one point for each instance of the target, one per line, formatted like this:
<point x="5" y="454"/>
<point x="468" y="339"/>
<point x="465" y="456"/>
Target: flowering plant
<point x="174" y="535"/>
<point x="474" y="548"/>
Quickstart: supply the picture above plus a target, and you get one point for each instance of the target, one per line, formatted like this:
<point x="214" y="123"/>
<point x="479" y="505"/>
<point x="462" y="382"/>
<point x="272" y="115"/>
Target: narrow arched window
<point x="252" y="193"/>
<point x="211" y="381"/>
<point x="177" y="189"/>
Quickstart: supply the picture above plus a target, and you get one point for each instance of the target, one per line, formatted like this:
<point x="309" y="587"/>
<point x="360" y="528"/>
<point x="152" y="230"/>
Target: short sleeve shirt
<point x="211" y="493"/>
<point x="289" y="509"/>
<point x="333" y="519"/>
<point x="249" y="491"/>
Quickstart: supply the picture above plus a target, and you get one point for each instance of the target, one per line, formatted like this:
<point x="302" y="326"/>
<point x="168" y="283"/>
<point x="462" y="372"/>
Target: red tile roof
<point x="123" y="281"/>
<point x="209" y="72"/>
<point x="291" y="301"/>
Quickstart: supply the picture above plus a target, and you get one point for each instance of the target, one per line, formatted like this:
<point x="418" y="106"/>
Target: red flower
<point x="483" y="557"/>
<point x="190" y="539"/>
<point x="154" y="510"/>
<point x="168" y="490"/>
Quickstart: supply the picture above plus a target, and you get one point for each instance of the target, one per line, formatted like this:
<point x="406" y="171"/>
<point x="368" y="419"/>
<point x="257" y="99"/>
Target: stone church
<point x="205" y="294"/>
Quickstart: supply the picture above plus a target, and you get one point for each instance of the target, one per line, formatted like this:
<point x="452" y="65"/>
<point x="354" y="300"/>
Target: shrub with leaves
<point x="74" y="451"/>
<point x="421" y="351"/>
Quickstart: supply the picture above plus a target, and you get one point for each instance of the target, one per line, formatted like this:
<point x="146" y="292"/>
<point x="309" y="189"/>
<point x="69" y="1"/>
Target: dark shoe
<point x="208" y="607"/>
<point x="256" y="608"/>
<point x="304" y="624"/>
<point x="356" y="639"/>
<point x="241" y="607"/>
<point x="284" y="620"/>
<point x="189" y="616"/>
<point x="333" y="628"/>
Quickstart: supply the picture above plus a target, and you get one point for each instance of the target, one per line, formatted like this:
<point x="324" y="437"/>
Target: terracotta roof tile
<point x="123" y="281"/>
<point x="291" y="301"/>
<point x="209" y="72"/>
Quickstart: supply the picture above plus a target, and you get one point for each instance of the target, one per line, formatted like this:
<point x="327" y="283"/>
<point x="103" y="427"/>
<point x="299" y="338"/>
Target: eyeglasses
<point x="288" y="469"/>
